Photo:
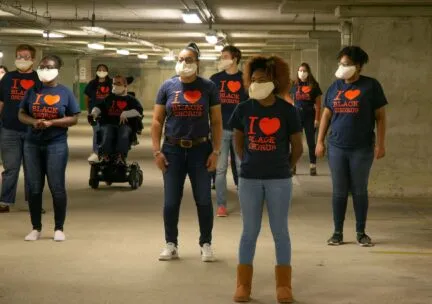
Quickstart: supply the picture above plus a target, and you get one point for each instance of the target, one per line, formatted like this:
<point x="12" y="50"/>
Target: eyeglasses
<point x="188" y="60"/>
<point x="344" y="64"/>
<point x="26" y="58"/>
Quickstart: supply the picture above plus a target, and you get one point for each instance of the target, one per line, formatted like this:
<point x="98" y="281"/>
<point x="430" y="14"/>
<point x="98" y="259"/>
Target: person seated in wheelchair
<point x="120" y="119"/>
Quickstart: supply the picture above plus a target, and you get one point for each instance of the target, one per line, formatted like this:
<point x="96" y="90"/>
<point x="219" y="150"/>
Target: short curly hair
<point x="274" y="66"/>
<point x="356" y="54"/>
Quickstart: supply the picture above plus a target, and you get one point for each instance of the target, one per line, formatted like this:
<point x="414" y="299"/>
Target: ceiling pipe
<point x="19" y="12"/>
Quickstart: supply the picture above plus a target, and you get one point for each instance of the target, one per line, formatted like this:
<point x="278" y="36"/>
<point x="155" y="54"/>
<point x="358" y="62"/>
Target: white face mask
<point x="102" y="74"/>
<point x="225" y="64"/>
<point x="119" y="90"/>
<point x="302" y="75"/>
<point x="47" y="75"/>
<point x="261" y="91"/>
<point x="186" y="69"/>
<point x="1" y="75"/>
<point x="23" y="65"/>
<point x="345" y="72"/>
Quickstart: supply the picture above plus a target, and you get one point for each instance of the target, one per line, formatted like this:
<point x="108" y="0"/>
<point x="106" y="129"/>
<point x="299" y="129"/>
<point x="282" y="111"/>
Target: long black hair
<point x="107" y="78"/>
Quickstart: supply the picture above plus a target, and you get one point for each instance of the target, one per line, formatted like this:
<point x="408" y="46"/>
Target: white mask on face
<point x="47" y="75"/>
<point x="186" y="69"/>
<point x="23" y="65"/>
<point x="302" y="75"/>
<point x="119" y="90"/>
<point x="102" y="74"/>
<point x="345" y="72"/>
<point x="261" y="91"/>
<point x="225" y="64"/>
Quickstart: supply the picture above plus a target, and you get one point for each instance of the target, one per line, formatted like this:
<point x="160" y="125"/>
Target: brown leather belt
<point x="186" y="143"/>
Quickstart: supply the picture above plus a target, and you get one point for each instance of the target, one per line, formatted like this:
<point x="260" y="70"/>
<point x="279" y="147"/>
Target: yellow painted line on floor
<point x="403" y="252"/>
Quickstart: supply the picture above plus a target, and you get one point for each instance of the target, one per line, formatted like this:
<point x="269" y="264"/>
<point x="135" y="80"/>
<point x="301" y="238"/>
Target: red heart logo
<point x="121" y="104"/>
<point x="104" y="89"/>
<point x="234" y="86"/>
<point x="51" y="99"/>
<point x="351" y="94"/>
<point x="26" y="83"/>
<point x="306" y="89"/>
<point x="192" y="96"/>
<point x="269" y="126"/>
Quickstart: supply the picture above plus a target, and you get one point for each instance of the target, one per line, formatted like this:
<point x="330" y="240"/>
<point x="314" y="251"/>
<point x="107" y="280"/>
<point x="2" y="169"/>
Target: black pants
<point x="307" y="119"/>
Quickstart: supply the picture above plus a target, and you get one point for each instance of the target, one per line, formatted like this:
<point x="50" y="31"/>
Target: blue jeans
<point x="115" y="139"/>
<point x="191" y="162"/>
<point x="12" y="144"/>
<point x="48" y="160"/>
<point x="222" y="166"/>
<point x="350" y="173"/>
<point x="96" y="129"/>
<point x="277" y="194"/>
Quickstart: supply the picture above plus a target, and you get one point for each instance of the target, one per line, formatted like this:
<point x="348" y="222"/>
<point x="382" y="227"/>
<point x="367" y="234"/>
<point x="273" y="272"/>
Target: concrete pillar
<point x="84" y="76"/>
<point x="310" y="57"/>
<point x="400" y="58"/>
<point x="327" y="63"/>
<point x="296" y="60"/>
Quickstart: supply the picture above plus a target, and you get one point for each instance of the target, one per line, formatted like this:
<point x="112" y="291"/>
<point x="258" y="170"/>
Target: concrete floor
<point x="115" y="236"/>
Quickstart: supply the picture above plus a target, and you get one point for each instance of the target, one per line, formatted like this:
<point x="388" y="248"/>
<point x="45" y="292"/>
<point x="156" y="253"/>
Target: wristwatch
<point x="217" y="152"/>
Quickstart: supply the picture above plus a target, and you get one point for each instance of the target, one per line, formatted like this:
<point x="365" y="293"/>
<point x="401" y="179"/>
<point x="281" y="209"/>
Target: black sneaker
<point x="313" y="171"/>
<point x="336" y="239"/>
<point x="364" y="240"/>
<point x="4" y="208"/>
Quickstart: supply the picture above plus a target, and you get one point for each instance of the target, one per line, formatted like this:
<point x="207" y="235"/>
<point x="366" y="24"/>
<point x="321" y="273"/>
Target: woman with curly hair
<point x="265" y="126"/>
<point x="306" y="93"/>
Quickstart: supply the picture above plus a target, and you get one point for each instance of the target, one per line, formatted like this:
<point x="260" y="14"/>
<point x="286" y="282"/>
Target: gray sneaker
<point x="364" y="240"/>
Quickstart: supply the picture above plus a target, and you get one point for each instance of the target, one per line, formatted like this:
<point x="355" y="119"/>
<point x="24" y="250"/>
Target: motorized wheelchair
<point x="109" y="171"/>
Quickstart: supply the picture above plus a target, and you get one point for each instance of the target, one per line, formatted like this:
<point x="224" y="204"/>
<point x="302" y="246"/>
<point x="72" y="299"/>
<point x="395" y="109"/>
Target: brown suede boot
<point x="244" y="283"/>
<point x="283" y="284"/>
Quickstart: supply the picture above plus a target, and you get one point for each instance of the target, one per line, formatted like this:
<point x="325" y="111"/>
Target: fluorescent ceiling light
<point x="208" y="58"/>
<point x="1" y="54"/>
<point x="211" y="38"/>
<point x="191" y="17"/>
<point x="219" y="47"/>
<point x="169" y="58"/>
<point x="48" y="34"/>
<point x="123" y="52"/>
<point x="142" y="56"/>
<point x="96" y="46"/>
<point x="95" y="30"/>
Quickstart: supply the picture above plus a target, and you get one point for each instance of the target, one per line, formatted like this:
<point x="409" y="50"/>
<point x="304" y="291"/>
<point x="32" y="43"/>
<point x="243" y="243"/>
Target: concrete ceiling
<point x="156" y="27"/>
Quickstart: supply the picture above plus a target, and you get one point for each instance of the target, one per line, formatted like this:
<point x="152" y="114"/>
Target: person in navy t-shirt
<point x="115" y="112"/>
<point x="48" y="110"/>
<point x="306" y="93"/>
<point x="185" y="105"/>
<point x="353" y="105"/>
<point x="265" y="126"/>
<point x="95" y="92"/>
<point x="13" y="87"/>
<point x="231" y="92"/>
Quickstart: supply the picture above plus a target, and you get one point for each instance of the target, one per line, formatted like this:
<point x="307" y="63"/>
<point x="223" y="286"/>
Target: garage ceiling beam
<point x="383" y="11"/>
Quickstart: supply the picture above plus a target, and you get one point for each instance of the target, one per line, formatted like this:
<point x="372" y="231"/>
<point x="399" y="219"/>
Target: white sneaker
<point x="59" y="236"/>
<point x="207" y="253"/>
<point x="170" y="252"/>
<point x="34" y="235"/>
<point x="93" y="158"/>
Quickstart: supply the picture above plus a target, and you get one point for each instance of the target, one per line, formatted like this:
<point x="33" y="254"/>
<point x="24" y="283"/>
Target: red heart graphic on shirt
<point x="306" y="89"/>
<point x="234" y="86"/>
<point x="51" y="99"/>
<point x="269" y="126"/>
<point x="104" y="89"/>
<point x="351" y="94"/>
<point x="26" y="83"/>
<point x="121" y="104"/>
<point x="192" y="96"/>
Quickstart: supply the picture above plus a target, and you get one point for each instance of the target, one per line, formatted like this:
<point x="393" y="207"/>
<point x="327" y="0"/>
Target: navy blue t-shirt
<point x="49" y="103"/>
<point x="112" y="107"/>
<point x="187" y="107"/>
<point x="231" y="93"/>
<point x="98" y="91"/>
<point x="13" y="87"/>
<point x="304" y="95"/>
<point x="267" y="132"/>
<point x="353" y="106"/>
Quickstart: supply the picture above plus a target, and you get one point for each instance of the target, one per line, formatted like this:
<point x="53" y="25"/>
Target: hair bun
<point x="194" y="47"/>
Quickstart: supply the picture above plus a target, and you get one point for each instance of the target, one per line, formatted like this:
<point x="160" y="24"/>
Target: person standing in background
<point x="306" y="93"/>
<point x="353" y="105"/>
<point x="3" y="71"/>
<point x="231" y="92"/>
<point x="95" y="92"/>
<point x="13" y="88"/>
